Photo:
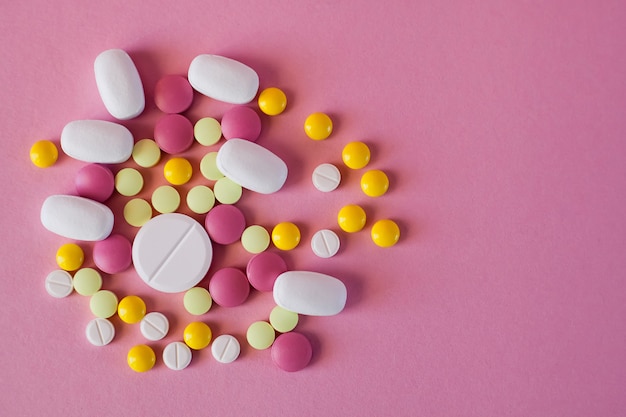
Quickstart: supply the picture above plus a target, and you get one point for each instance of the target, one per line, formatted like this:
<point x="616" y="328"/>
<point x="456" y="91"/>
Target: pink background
<point x="502" y="128"/>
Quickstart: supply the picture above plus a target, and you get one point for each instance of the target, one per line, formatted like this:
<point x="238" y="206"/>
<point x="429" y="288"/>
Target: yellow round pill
<point x="283" y="320"/>
<point x="260" y="335"/>
<point x="137" y="212"/>
<point x="103" y="304"/>
<point x="141" y="358"/>
<point x="355" y="155"/>
<point x="44" y="153"/>
<point x="318" y="126"/>
<point x="286" y="236"/>
<point x="197" y="335"/>
<point x="131" y="309"/>
<point x="207" y="131"/>
<point x="128" y="182"/>
<point x="146" y="153"/>
<point x="208" y="167"/>
<point x="165" y="199"/>
<point x="272" y="101"/>
<point x="255" y="239"/>
<point x="351" y="218"/>
<point x="374" y="183"/>
<point x="200" y="199"/>
<point x="197" y="301"/>
<point x="177" y="171"/>
<point x="70" y="257"/>
<point x="385" y="233"/>
<point x="227" y="191"/>
<point x="87" y="281"/>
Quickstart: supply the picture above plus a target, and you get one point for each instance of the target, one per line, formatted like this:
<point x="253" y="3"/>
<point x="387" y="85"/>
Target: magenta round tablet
<point x="263" y="269"/>
<point x="229" y="287"/>
<point x="95" y="181"/>
<point x="173" y="94"/>
<point x="241" y="122"/>
<point x="173" y="133"/>
<point x="113" y="254"/>
<point x="225" y="224"/>
<point x="292" y="351"/>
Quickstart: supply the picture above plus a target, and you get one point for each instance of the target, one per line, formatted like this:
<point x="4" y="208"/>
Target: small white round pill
<point x="225" y="348"/>
<point x="177" y="356"/>
<point x="154" y="326"/>
<point x="326" y="177"/>
<point x="100" y="332"/>
<point x="59" y="283"/>
<point x="325" y="243"/>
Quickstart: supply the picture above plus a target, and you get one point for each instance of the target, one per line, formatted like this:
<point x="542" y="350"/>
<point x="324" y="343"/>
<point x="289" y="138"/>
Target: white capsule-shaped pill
<point x="119" y="84"/>
<point x="177" y="356"/>
<point x="154" y="326"/>
<point x="59" y="283"/>
<point x="223" y="79"/>
<point x="326" y="177"/>
<point x="225" y="348"/>
<point x="77" y="218"/>
<point x="310" y="293"/>
<point x="325" y="243"/>
<point x="100" y="332"/>
<point x="97" y="141"/>
<point x="251" y="166"/>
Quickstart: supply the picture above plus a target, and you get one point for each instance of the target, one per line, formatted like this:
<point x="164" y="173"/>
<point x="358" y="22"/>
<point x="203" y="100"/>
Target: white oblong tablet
<point x="97" y="141"/>
<point x="177" y="356"/>
<point x="119" y="84"/>
<point x="310" y="293"/>
<point x="223" y="79"/>
<point x="154" y="326"/>
<point x="326" y="177"/>
<point x="100" y="332"/>
<point x="77" y="218"/>
<point x="172" y="252"/>
<point x="59" y="283"/>
<point x="325" y="243"/>
<point x="225" y="348"/>
<point x="251" y="166"/>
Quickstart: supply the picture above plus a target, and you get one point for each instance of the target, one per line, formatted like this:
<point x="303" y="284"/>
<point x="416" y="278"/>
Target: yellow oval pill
<point x="131" y="309"/>
<point x="146" y="153"/>
<point x="283" y="320"/>
<point x="207" y="131"/>
<point x="70" y="257"/>
<point x="355" y="155"/>
<point x="272" y="101"/>
<point x="141" y="358"/>
<point x="87" y="281"/>
<point x="208" y="167"/>
<point x="197" y="335"/>
<point x="351" y="218"/>
<point x="374" y="183"/>
<point x="255" y="239"/>
<point x="385" y="233"/>
<point x="137" y="212"/>
<point x="197" y="301"/>
<point x="286" y="236"/>
<point x="128" y="182"/>
<point x="165" y="199"/>
<point x="200" y="199"/>
<point x="177" y="171"/>
<point x="44" y="153"/>
<point x="318" y="126"/>
<point x="226" y="191"/>
<point x="260" y="335"/>
<point x="103" y="304"/>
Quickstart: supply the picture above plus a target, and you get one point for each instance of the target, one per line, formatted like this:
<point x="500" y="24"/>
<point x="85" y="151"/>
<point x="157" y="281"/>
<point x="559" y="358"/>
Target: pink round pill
<point x="225" y="224"/>
<point x="263" y="269"/>
<point x="173" y="133"/>
<point x="229" y="287"/>
<point x="173" y="94"/>
<point x="113" y="254"/>
<point x="292" y="351"/>
<point x="95" y="182"/>
<point x="241" y="122"/>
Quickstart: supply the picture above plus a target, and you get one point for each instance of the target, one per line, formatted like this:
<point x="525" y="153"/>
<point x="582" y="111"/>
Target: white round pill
<point x="154" y="326"/>
<point x="325" y="243"/>
<point x="225" y="348"/>
<point x="59" y="283"/>
<point x="326" y="177"/>
<point x="177" y="356"/>
<point x="100" y="332"/>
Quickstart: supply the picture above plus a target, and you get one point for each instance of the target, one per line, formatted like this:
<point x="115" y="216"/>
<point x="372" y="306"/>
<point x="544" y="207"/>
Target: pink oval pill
<point x="173" y="133"/>
<point x="292" y="351"/>
<point x="113" y="254"/>
<point x="225" y="224"/>
<point x="229" y="287"/>
<point x="95" y="181"/>
<point x="241" y="122"/>
<point x="173" y="94"/>
<point x="263" y="269"/>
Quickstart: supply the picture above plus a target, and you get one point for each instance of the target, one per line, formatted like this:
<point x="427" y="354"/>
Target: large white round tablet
<point x="172" y="252"/>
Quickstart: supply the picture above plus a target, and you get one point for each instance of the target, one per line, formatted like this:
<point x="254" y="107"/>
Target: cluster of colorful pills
<point x="172" y="252"/>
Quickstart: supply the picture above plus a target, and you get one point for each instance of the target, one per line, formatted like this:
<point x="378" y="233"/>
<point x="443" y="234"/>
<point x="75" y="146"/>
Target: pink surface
<point x="501" y="126"/>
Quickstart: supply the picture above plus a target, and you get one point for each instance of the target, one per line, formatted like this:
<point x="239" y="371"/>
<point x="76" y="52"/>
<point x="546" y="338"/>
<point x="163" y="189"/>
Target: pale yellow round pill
<point x="128" y="182"/>
<point x="283" y="320"/>
<point x="165" y="199"/>
<point x="208" y="167"/>
<point x="207" y="131"/>
<point x="200" y="199"/>
<point x="87" y="281"/>
<point x="137" y="212"/>
<point x="226" y="191"/>
<point x="197" y="301"/>
<point x="260" y="335"/>
<point x="103" y="304"/>
<point x="146" y="153"/>
<point x="255" y="239"/>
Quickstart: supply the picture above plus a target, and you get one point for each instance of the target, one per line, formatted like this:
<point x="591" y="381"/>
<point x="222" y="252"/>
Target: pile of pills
<point x="171" y="251"/>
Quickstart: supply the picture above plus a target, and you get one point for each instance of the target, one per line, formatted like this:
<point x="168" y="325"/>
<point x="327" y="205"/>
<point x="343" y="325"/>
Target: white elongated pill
<point x="172" y="252"/>
<point x="119" y="84"/>
<point x="97" y="141"/>
<point x="223" y="79"/>
<point x="251" y="166"/>
<point x="310" y="293"/>
<point x="225" y="348"/>
<point x="326" y="177"/>
<point x="325" y="243"/>
<point x="76" y="218"/>
<point x="177" y="356"/>
<point x="100" y="332"/>
<point x="59" y="283"/>
<point x="154" y="326"/>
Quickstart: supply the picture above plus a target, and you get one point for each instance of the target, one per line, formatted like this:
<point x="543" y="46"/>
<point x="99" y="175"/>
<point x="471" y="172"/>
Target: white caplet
<point x="97" y="141"/>
<point x="310" y="293"/>
<point x="77" y="218"/>
<point x="223" y="79"/>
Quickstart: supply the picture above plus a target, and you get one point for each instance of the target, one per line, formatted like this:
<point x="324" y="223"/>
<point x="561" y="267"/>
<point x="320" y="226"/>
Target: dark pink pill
<point x="229" y="287"/>
<point x="263" y="269"/>
<point x="95" y="182"/>
<point x="173" y="94"/>
<point x="173" y="133"/>
<point x="292" y="351"/>
<point x="225" y="224"/>
<point x="113" y="254"/>
<point x="241" y="122"/>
